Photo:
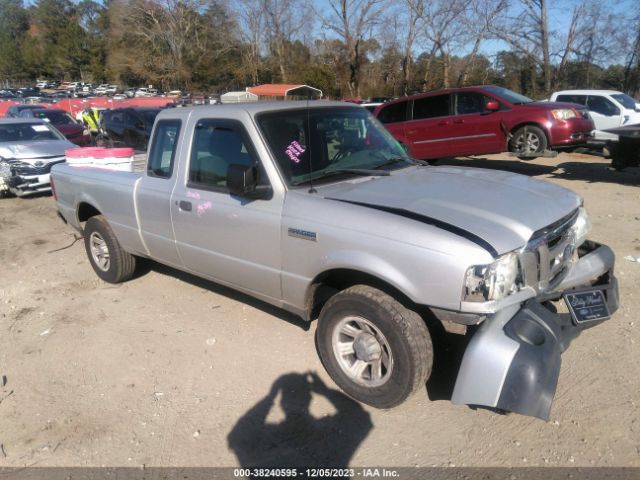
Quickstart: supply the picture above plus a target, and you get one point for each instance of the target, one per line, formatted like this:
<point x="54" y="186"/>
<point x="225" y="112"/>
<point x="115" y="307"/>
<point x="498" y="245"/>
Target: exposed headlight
<point x="563" y="114"/>
<point x="483" y="283"/>
<point x="581" y="227"/>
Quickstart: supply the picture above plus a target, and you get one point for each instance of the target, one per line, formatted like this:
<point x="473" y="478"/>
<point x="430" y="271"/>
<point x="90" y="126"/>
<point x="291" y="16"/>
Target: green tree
<point x="14" y="25"/>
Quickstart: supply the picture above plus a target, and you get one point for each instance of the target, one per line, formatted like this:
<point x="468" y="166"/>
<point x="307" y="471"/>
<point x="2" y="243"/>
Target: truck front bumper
<point x="513" y="360"/>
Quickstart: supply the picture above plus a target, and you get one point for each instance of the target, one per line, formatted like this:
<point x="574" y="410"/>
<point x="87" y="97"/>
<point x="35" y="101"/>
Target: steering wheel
<point x="343" y="150"/>
<point x="41" y="136"/>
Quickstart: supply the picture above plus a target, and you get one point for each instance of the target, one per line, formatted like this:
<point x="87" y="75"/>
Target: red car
<point x="483" y="120"/>
<point x="66" y="125"/>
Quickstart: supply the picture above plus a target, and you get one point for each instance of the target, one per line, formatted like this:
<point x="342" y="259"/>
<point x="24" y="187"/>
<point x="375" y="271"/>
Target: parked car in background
<point x="130" y="92"/>
<point x="129" y="127"/>
<point x="483" y="120"/>
<point x="607" y="108"/>
<point x="28" y="92"/>
<point x="65" y="123"/>
<point x="145" y="92"/>
<point x="28" y="150"/>
<point x="101" y="89"/>
<point x="15" y="110"/>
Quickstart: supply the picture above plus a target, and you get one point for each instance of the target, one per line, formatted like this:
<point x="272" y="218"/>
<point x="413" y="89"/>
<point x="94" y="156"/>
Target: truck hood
<point x="501" y="209"/>
<point x="34" y="150"/>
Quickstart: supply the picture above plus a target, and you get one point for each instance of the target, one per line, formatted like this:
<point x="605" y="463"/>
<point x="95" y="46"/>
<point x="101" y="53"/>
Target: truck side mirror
<point x="242" y="180"/>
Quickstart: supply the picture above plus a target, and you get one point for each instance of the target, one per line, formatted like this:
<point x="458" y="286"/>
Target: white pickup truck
<point x="315" y="208"/>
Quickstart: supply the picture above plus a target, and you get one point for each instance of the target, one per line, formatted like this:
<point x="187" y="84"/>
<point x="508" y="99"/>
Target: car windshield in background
<point x="150" y="116"/>
<point x="57" y="118"/>
<point x="625" y="100"/>
<point x="312" y="144"/>
<point x="508" y="95"/>
<point x="27" y="132"/>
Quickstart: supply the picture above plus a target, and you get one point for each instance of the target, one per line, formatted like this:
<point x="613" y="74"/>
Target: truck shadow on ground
<point x="300" y="439"/>
<point x="575" y="170"/>
<point x="145" y="266"/>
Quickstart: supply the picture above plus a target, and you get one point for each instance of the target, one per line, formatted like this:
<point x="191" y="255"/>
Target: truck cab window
<point x="163" y="149"/>
<point x="215" y="146"/>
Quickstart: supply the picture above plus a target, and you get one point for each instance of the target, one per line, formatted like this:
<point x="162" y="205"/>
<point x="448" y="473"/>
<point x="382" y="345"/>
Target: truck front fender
<point x="345" y="268"/>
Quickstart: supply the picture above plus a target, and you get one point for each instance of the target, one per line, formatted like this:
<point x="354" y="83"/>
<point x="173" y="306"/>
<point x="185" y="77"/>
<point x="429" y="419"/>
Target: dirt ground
<point x="168" y="369"/>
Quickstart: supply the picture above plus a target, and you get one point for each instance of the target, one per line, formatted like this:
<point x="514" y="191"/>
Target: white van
<point x="608" y="109"/>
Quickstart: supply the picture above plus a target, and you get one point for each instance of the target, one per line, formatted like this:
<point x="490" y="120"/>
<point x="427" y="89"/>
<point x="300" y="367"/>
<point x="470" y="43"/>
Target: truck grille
<point x="549" y="254"/>
<point x="23" y="168"/>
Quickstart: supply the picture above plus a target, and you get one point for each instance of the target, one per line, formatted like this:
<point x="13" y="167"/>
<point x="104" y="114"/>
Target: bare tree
<point x="408" y="37"/>
<point x="251" y="18"/>
<point x="443" y="29"/>
<point x="284" y="20"/>
<point x="353" y="21"/>
<point x="477" y="20"/>
<point x="528" y="34"/>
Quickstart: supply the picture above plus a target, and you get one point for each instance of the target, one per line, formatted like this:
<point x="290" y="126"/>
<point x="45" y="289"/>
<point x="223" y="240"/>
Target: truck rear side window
<point x="163" y="149"/>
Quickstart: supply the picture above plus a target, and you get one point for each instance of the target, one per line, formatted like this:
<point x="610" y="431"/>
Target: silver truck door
<point x="226" y="238"/>
<point x="153" y="193"/>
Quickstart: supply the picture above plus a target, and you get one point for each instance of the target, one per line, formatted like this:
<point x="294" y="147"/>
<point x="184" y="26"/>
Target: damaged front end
<point x="513" y="360"/>
<point x="22" y="178"/>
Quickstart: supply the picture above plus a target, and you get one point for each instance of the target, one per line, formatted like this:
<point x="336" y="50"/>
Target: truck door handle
<point x="184" y="205"/>
<point x="458" y="121"/>
<point x="441" y="124"/>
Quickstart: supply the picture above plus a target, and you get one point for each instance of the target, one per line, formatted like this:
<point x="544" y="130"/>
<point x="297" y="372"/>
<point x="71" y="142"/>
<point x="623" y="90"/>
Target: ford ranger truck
<point x="314" y="207"/>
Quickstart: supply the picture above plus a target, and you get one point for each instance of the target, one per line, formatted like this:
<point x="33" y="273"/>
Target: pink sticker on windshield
<point x="294" y="150"/>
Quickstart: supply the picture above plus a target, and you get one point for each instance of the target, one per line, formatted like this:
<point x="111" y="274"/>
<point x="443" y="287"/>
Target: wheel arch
<point x="527" y="123"/>
<point x="85" y="211"/>
<point x="330" y="282"/>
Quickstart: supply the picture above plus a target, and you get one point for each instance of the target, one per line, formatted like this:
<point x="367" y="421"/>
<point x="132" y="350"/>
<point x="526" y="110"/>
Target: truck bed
<point x="110" y="192"/>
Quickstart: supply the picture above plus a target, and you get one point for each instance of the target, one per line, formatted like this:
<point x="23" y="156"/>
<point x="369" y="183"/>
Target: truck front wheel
<point x="375" y="349"/>
<point x="108" y="259"/>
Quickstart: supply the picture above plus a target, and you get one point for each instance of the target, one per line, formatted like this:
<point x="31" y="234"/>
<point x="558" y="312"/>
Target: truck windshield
<point x="312" y="144"/>
<point x="625" y="100"/>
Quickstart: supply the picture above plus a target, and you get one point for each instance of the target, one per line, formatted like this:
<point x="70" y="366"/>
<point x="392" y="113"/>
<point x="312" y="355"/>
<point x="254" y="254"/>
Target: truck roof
<point x="253" y="108"/>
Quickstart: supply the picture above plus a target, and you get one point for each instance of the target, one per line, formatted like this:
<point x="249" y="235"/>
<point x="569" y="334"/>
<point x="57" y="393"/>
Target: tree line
<point x="347" y="48"/>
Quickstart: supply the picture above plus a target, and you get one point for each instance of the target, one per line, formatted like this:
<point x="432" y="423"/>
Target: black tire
<point x="100" y="240"/>
<point x="403" y="333"/>
<point x="528" y="140"/>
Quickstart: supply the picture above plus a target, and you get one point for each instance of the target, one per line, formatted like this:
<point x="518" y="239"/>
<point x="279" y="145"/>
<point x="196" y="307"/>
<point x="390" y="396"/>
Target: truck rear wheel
<point x="375" y="349"/>
<point x="108" y="259"/>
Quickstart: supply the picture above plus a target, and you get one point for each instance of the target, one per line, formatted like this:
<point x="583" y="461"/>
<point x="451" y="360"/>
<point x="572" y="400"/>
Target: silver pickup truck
<point x="315" y="208"/>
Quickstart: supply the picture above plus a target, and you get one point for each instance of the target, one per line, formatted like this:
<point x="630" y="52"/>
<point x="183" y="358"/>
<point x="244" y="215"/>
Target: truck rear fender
<point x="87" y="207"/>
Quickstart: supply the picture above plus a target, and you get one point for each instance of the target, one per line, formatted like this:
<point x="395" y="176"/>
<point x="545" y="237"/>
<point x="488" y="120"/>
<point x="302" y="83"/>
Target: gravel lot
<point x="168" y="369"/>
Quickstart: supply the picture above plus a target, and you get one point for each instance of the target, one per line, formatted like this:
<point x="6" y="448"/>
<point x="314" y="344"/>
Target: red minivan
<point x="483" y="120"/>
